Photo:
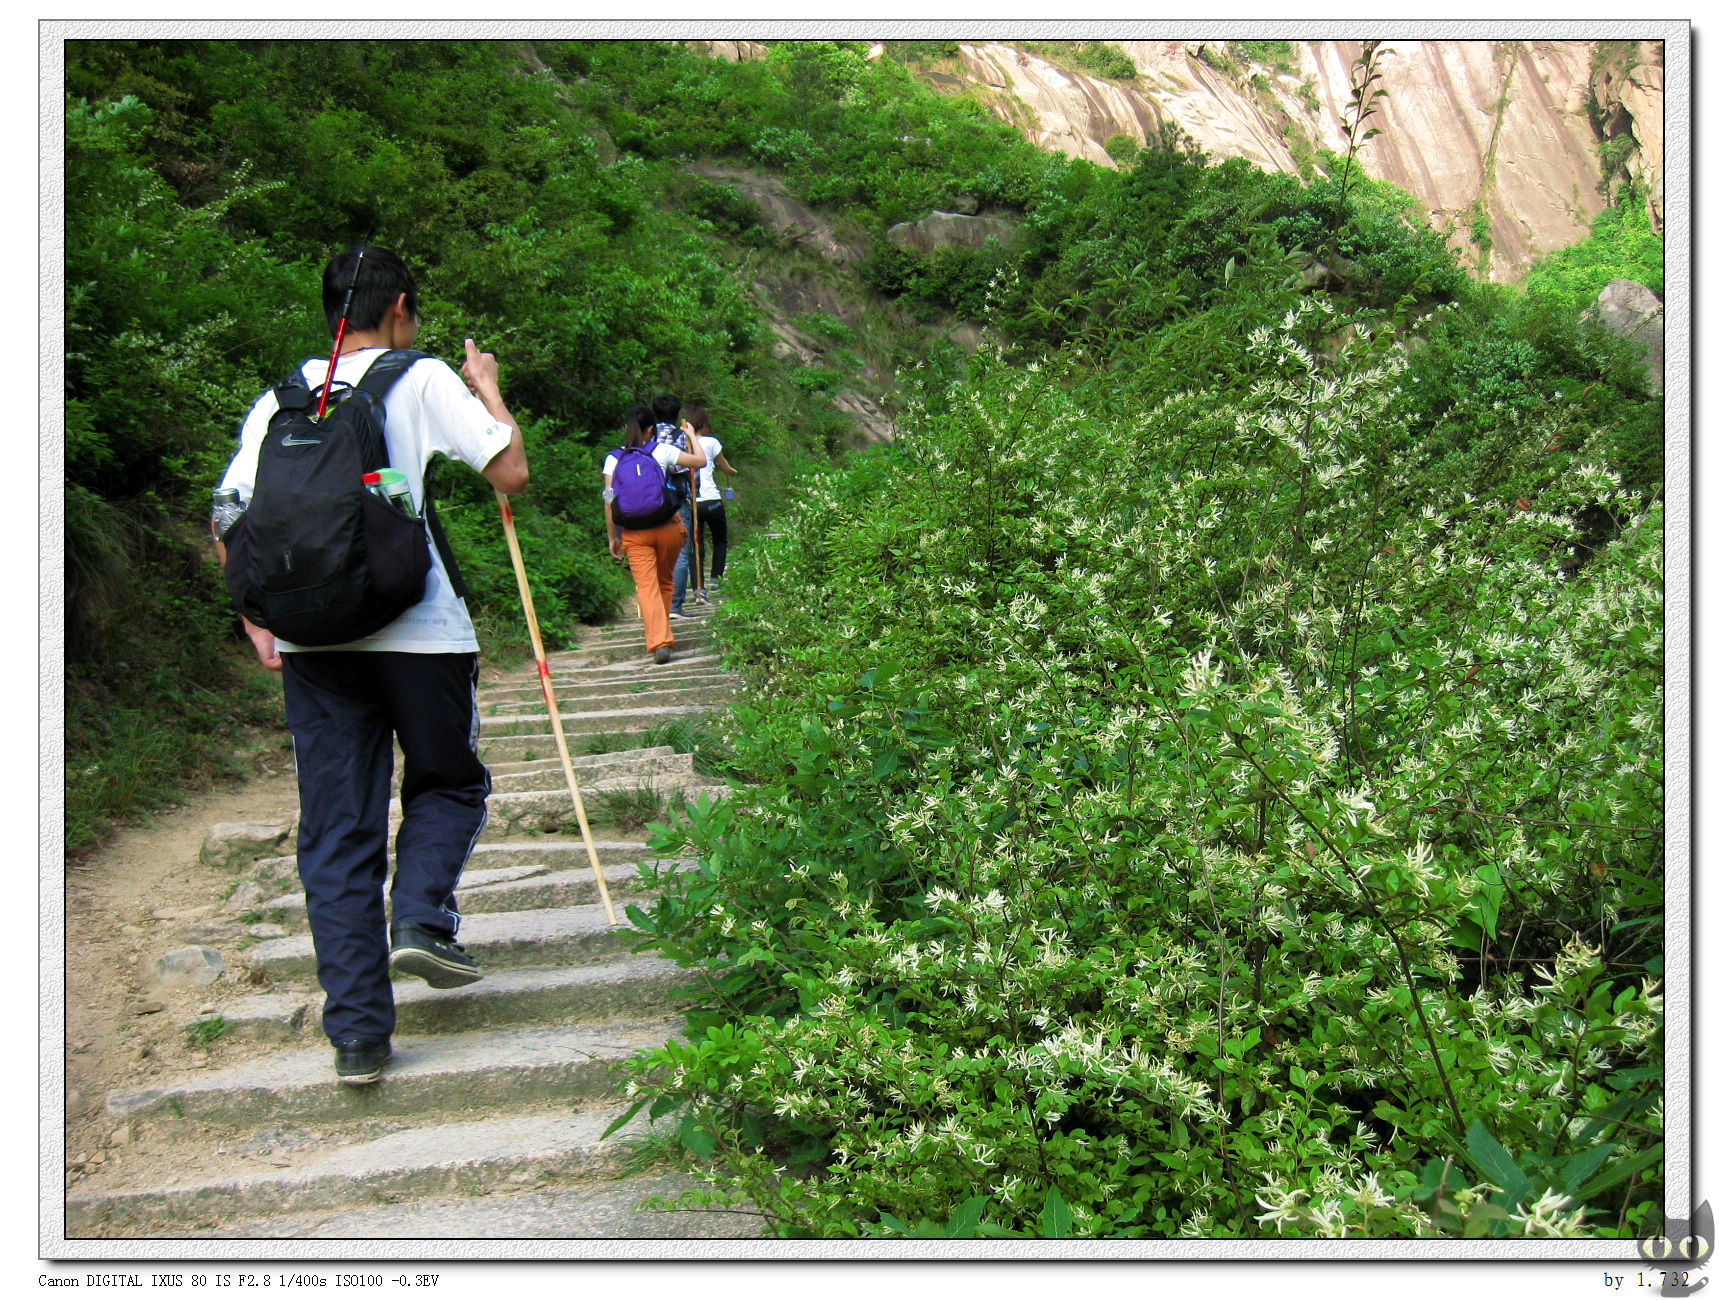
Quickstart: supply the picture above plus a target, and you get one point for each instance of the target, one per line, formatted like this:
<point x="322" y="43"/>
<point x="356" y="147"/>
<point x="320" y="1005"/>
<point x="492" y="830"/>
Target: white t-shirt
<point x="706" y="489"/>
<point x="429" y="411"/>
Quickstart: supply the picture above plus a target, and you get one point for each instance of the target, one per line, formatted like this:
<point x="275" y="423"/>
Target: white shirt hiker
<point x="706" y="489"/>
<point x="428" y="411"/>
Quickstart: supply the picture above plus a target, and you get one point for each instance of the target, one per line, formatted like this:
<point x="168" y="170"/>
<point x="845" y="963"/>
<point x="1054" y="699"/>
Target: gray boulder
<point x="234" y="846"/>
<point x="246" y="896"/>
<point x="188" y="968"/>
<point x="953" y="230"/>
<point x="1628" y="309"/>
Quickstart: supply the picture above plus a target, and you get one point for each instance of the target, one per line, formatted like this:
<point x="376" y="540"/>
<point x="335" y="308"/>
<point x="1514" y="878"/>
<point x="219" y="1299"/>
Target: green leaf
<point x="1583" y="1165"/>
<point x="1491" y="1159"/>
<point x="623" y="1119"/>
<point x="1055" y="1218"/>
<point x="1622" y="1078"/>
<point x="888" y="1220"/>
<point x="696" y="1140"/>
<point x="1621" y="1172"/>
<point x="966" y="1218"/>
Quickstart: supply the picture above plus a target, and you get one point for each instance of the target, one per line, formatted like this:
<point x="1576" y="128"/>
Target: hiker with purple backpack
<point x="641" y="497"/>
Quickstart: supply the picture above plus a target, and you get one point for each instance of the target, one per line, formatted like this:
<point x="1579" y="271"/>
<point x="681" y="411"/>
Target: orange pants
<point x="652" y="553"/>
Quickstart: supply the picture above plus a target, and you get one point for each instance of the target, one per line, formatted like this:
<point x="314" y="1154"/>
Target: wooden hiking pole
<point x="552" y="703"/>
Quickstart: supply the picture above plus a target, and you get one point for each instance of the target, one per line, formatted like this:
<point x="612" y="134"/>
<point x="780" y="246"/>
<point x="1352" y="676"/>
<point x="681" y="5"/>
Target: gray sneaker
<point x="677" y="613"/>
<point x="663" y="654"/>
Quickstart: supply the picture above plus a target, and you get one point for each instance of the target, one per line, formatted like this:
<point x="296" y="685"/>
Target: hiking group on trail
<point x="648" y="510"/>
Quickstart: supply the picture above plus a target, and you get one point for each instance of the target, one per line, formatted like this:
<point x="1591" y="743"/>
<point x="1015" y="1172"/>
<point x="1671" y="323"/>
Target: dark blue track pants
<point x="344" y="707"/>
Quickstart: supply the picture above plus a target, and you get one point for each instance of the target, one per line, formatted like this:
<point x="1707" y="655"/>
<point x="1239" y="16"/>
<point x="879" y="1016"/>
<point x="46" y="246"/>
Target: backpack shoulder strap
<point x="292" y="392"/>
<point x="387" y="369"/>
<point x="443" y="547"/>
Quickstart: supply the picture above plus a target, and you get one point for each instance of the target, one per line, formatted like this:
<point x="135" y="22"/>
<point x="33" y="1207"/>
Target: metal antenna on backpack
<point x="341" y="327"/>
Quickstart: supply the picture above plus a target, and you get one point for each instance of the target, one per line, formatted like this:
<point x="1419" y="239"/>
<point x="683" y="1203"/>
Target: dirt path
<point x="126" y="904"/>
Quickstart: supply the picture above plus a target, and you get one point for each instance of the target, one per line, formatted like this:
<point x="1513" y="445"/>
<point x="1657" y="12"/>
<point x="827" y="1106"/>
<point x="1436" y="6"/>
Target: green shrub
<point x="1194" y="849"/>
<point x="1622" y="246"/>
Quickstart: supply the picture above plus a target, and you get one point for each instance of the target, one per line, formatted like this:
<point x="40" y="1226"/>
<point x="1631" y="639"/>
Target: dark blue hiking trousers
<point x="344" y="707"/>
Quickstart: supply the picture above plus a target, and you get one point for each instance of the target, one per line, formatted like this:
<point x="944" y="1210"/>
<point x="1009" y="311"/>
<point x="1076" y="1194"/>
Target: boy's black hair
<point x="666" y="409"/>
<point x="383" y="278"/>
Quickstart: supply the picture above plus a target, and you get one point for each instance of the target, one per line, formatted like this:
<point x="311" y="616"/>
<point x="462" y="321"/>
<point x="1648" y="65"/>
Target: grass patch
<point x="202" y="1033"/>
<point x="630" y="809"/>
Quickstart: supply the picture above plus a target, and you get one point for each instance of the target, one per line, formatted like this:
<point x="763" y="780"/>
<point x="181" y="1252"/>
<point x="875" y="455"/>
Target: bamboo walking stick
<point x="552" y="703"/>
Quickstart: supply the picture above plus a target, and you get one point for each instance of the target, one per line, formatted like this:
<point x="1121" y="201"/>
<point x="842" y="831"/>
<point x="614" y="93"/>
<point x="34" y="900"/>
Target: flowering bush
<point x="1188" y="822"/>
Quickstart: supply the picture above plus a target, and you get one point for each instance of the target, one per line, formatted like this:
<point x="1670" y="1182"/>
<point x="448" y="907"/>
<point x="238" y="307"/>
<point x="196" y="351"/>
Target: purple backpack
<point x="642" y="496"/>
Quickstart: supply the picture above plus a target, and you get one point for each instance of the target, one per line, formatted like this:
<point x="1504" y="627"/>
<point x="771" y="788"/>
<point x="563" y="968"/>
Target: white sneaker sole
<point x="418" y="963"/>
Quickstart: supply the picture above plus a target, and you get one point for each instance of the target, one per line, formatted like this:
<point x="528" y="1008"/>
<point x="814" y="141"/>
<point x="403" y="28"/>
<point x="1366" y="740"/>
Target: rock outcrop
<point x="952" y="230"/>
<point x="1498" y="127"/>
<point x="788" y="218"/>
<point x="1630" y="97"/>
<point x="1628" y="309"/>
<point x="1503" y="136"/>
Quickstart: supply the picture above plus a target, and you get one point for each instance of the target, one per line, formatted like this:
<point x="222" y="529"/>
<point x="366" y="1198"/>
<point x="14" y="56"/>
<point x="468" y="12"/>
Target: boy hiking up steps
<point x="412" y="681"/>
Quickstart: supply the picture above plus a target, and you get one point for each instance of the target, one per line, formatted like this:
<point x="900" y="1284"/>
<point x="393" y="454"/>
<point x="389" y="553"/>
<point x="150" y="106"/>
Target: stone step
<point x="637" y="695"/>
<point x="687" y="649"/>
<point x="580" y="671"/>
<point x="696" y="627"/>
<point x="571" y="887"/>
<point x="508" y="889"/>
<point x="496" y="940"/>
<point x="530" y="812"/>
<point x="607" y="675"/>
<point x="687" y="639"/>
<point x="622" y="988"/>
<point x="437" y="1160"/>
<point x="591" y="1210"/>
<point x="591" y="769"/>
<point x="429" y="1075"/>
<point x="538" y="745"/>
<point x="490" y="863"/>
<point x="599" y="721"/>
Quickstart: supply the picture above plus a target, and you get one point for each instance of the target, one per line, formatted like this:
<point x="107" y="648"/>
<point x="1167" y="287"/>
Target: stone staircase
<point x="488" y="1120"/>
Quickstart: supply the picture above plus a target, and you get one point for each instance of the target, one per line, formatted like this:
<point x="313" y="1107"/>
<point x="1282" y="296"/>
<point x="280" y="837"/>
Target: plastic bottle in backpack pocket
<point x="392" y="485"/>
<point x="225" y="509"/>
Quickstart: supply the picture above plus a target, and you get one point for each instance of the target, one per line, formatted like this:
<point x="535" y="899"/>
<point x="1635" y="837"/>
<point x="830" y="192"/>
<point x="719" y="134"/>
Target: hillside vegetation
<point x="1204" y="777"/>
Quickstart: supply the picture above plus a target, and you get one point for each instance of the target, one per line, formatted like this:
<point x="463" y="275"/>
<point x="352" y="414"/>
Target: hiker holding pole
<point x="410" y="681"/>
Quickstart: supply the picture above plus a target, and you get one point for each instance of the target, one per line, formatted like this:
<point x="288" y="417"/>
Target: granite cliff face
<point x="1501" y="140"/>
<point x="1503" y="136"/>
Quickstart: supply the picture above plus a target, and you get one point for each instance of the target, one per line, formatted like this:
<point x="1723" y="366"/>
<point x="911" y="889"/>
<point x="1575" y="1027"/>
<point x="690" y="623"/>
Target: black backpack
<point x="317" y="559"/>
